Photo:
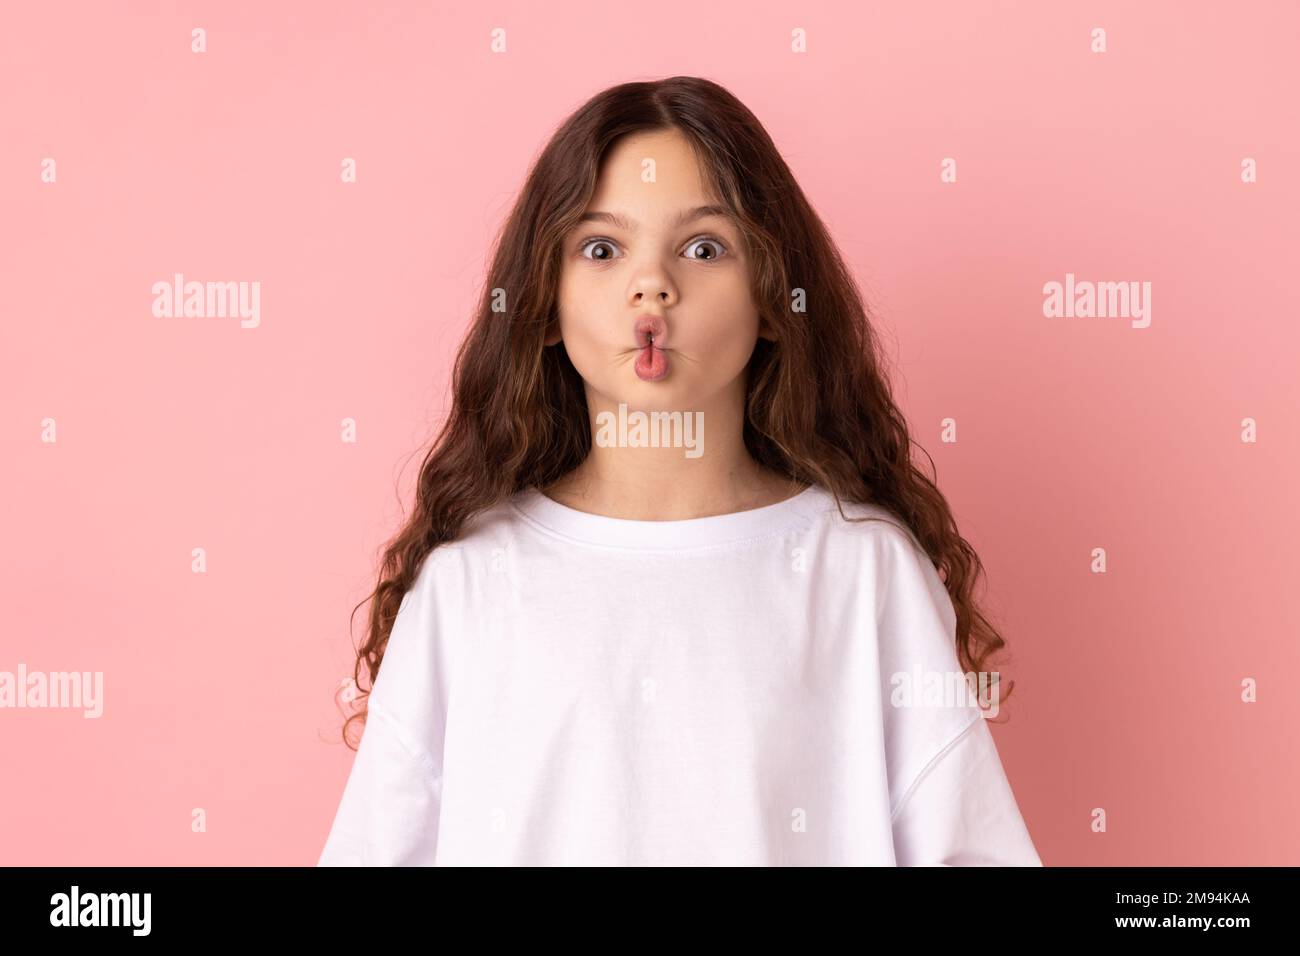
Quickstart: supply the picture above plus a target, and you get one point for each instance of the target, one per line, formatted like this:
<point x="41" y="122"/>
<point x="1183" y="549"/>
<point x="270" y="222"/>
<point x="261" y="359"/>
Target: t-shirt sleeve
<point x="951" y="799"/>
<point x="388" y="814"/>
<point x="961" y="812"/>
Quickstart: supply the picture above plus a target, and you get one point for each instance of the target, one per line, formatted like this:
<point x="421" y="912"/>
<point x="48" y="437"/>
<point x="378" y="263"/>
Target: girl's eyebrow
<point x="688" y="215"/>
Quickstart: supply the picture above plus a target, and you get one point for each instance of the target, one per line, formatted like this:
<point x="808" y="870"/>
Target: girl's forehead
<point x="654" y="160"/>
<point x="652" y="179"/>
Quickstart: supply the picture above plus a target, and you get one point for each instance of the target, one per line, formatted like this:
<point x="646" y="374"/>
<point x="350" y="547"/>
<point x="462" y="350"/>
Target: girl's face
<point x="646" y="247"/>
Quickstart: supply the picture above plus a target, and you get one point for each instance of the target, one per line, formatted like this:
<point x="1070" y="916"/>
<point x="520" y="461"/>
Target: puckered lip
<point x="648" y="327"/>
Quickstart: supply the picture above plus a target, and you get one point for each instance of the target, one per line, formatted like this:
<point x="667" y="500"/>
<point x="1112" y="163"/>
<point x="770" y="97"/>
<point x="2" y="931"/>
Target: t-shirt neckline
<point x="662" y="535"/>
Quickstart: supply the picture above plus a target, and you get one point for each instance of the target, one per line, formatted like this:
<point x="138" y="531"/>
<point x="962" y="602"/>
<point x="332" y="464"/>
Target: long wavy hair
<point x="818" y="405"/>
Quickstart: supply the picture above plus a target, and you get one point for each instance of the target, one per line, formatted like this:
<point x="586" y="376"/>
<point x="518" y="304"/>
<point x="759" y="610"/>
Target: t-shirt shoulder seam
<point x="405" y="739"/>
<point x="872" y="516"/>
<point x="932" y="762"/>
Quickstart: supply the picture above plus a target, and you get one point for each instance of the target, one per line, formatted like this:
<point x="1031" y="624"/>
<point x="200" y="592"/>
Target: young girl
<point x="708" y="636"/>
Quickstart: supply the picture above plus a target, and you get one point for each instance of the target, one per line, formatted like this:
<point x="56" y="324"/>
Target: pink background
<point x="1073" y="433"/>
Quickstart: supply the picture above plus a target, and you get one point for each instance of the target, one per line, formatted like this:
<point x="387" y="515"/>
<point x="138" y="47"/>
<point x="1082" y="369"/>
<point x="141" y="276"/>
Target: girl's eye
<point x="596" y="244"/>
<point x="720" y="250"/>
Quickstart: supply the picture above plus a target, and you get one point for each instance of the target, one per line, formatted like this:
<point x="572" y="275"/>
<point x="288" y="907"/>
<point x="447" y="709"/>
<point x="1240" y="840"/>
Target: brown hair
<point x="819" y="407"/>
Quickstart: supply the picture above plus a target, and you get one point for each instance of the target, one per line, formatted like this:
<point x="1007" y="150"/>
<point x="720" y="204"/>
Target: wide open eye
<point x="609" y="245"/>
<point x="718" y="250"/>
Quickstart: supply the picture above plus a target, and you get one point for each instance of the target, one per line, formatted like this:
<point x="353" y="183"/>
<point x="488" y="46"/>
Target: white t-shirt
<point x="564" y="688"/>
